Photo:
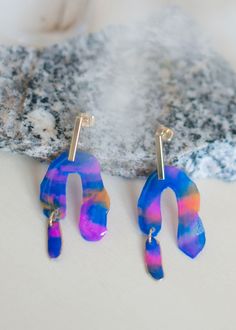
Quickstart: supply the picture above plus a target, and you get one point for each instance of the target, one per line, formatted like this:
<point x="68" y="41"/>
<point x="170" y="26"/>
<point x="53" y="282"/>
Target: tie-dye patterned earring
<point x="95" y="203"/>
<point x="190" y="234"/>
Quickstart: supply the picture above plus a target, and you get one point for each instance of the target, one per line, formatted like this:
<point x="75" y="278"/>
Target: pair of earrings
<point x="96" y="203"/>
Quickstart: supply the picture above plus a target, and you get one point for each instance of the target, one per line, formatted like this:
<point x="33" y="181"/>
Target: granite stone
<point x="131" y="78"/>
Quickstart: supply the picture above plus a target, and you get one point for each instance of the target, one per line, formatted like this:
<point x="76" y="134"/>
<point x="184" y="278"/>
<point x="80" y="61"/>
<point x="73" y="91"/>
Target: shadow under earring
<point x="190" y="234"/>
<point x="95" y="202"/>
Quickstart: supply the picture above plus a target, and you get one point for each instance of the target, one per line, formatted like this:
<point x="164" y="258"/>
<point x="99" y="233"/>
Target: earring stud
<point x="95" y="203"/>
<point x="83" y="120"/>
<point x="191" y="234"/>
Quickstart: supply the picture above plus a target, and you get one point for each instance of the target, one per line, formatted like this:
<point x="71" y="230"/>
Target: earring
<point x="95" y="202"/>
<point x="190" y="234"/>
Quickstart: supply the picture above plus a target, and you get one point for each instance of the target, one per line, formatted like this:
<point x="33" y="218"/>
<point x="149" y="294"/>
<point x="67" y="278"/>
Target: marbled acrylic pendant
<point x="190" y="235"/>
<point x="153" y="258"/>
<point x="95" y="204"/>
<point x="54" y="239"/>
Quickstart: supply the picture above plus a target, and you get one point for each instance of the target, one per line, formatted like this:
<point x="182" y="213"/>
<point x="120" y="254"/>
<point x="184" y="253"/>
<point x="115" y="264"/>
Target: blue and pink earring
<point x="190" y="233"/>
<point x="95" y="204"/>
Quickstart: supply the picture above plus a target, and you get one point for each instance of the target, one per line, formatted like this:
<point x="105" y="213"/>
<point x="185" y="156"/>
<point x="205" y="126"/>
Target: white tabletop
<point x="104" y="285"/>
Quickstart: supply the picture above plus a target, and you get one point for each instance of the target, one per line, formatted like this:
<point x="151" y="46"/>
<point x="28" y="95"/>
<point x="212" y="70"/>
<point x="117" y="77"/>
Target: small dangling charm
<point x="153" y="257"/>
<point x="95" y="204"/>
<point x="54" y="235"/>
<point x="191" y="234"/>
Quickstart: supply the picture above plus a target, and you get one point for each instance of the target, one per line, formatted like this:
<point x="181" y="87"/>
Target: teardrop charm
<point x="54" y="240"/>
<point x="153" y="258"/>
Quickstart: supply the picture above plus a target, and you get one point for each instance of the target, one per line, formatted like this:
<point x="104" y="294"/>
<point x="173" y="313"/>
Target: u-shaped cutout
<point x="191" y="234"/>
<point x="95" y="203"/>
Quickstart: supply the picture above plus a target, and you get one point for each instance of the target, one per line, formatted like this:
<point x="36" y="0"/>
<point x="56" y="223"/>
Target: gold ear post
<point x="83" y="120"/>
<point x="163" y="134"/>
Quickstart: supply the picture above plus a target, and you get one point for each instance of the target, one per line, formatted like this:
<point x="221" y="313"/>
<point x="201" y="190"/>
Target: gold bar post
<point x="83" y="120"/>
<point x="75" y="138"/>
<point x="162" y="134"/>
<point x="160" y="158"/>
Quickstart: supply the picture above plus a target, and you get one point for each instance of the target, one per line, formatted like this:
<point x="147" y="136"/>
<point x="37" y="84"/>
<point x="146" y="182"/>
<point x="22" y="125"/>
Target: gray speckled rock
<point x="129" y="78"/>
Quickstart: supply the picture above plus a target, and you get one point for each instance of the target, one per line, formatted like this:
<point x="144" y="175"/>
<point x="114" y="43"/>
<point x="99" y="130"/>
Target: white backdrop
<point x="103" y="285"/>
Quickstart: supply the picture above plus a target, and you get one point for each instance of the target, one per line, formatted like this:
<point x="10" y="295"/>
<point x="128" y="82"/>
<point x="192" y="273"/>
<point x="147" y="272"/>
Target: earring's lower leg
<point x="153" y="258"/>
<point x="54" y="236"/>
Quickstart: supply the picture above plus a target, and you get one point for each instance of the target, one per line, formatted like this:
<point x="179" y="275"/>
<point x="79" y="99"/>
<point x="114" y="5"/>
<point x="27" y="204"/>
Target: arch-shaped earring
<point x="191" y="234"/>
<point x="95" y="203"/>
